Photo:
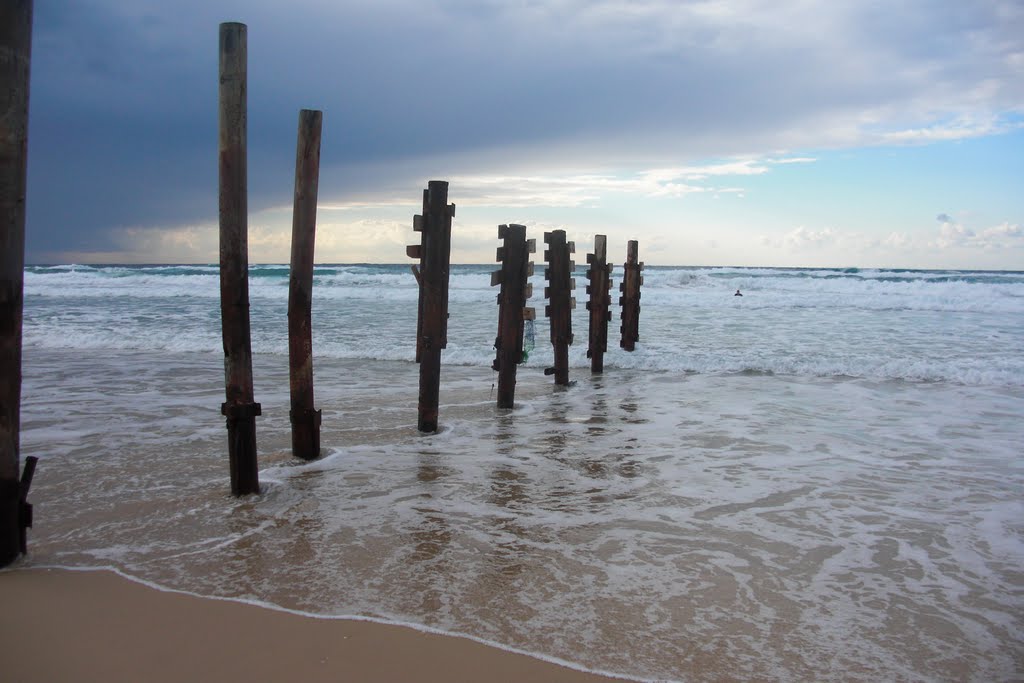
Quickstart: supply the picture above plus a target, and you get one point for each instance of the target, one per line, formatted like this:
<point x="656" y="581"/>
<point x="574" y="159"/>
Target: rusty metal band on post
<point x="240" y="411"/>
<point x="307" y="416"/>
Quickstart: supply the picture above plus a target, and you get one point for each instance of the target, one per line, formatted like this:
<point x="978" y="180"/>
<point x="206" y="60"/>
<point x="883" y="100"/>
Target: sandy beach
<point x="61" y="625"/>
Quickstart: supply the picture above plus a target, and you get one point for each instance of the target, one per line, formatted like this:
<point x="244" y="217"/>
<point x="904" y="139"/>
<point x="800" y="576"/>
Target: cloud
<point x="574" y="190"/>
<point x="794" y="160"/>
<point x="941" y="131"/>
<point x="123" y="111"/>
<point x="349" y="241"/>
<point x="896" y="241"/>
<point x="802" y="238"/>
<point x="184" y="244"/>
<point x="569" y="191"/>
<point x="953" y="235"/>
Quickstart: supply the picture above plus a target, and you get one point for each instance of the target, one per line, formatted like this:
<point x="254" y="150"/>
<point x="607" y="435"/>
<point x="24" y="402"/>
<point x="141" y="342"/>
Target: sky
<point x="797" y="133"/>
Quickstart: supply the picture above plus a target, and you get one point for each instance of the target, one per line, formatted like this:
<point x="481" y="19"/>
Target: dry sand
<point x="59" y="625"/>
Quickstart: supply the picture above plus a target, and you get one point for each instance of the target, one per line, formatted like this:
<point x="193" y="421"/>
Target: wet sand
<point x="60" y="625"/>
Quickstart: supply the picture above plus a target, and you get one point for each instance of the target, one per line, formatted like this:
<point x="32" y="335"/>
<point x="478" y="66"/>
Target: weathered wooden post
<point x="240" y="408"/>
<point x="305" y="418"/>
<point x="516" y="268"/>
<point x="15" y="56"/>
<point x="559" y="295"/>
<point x="599" y="277"/>
<point x="434" y="254"/>
<point x="630" y="299"/>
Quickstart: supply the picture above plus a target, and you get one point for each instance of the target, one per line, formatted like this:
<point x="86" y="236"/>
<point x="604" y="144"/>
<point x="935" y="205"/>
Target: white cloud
<point x="896" y="240"/>
<point x="953" y="235"/>
<point x="583" y="190"/>
<point x="802" y="238"/>
<point x="183" y="244"/>
<point x="794" y="160"/>
<point x="960" y="128"/>
<point x="1004" y="231"/>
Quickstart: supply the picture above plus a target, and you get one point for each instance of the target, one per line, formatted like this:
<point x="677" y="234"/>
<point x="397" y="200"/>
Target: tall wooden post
<point x="599" y="277"/>
<point x="560" y="301"/>
<point x="15" y="55"/>
<point x="516" y="268"/>
<point x="630" y="299"/>
<point x="305" y="418"/>
<point x="434" y="254"/>
<point x="240" y="408"/>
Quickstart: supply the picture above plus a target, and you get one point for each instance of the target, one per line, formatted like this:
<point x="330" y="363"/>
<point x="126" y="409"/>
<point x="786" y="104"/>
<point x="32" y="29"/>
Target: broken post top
<point x="600" y="254"/>
<point x="632" y="251"/>
<point x="512" y="230"/>
<point x="632" y="254"/>
<point x="438" y="190"/>
<point x="516" y="266"/>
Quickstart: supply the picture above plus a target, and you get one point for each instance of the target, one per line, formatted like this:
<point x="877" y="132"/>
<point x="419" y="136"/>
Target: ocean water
<point x="821" y="480"/>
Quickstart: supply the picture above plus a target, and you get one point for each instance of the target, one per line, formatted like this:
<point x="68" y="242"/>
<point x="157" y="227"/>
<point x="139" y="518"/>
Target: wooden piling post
<point x="305" y="418"/>
<point x="434" y="254"/>
<point x="560" y="301"/>
<point x="240" y="408"/>
<point x="600" y="282"/>
<point x="516" y="268"/>
<point x="630" y="299"/>
<point x="15" y="56"/>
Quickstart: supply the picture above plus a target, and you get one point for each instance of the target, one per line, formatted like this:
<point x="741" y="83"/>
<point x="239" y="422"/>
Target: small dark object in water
<point x="737" y="293"/>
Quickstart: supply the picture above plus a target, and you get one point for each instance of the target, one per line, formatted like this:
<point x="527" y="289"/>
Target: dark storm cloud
<point x="123" y="110"/>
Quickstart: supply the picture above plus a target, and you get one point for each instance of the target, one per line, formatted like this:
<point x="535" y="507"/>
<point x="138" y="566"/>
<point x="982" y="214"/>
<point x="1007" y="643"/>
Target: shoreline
<point x="70" y="624"/>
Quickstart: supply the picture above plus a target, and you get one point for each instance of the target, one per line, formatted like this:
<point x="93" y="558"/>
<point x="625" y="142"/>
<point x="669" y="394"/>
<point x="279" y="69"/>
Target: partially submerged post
<point x="15" y="54"/>
<point x="516" y="268"/>
<point x="240" y="408"/>
<point x="434" y="254"/>
<point x="305" y="418"/>
<point x="630" y="299"/>
<point x="560" y="301"/>
<point x="599" y="277"/>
